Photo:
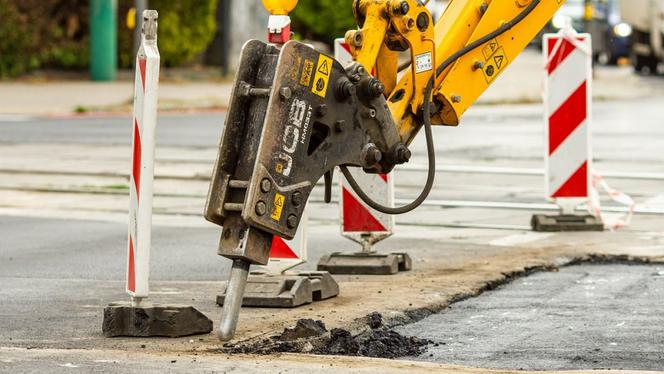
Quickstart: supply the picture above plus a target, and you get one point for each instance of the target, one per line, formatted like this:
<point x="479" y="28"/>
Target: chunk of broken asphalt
<point x="375" y="343"/>
<point x="305" y="328"/>
<point x="375" y="320"/>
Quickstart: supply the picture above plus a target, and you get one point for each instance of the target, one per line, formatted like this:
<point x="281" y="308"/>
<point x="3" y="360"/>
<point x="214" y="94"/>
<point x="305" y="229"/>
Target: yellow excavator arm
<point x="389" y="25"/>
<point x="296" y="114"/>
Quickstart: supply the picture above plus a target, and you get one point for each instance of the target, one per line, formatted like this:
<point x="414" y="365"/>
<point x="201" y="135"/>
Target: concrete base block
<point x="288" y="290"/>
<point x="560" y="223"/>
<point x="365" y="263"/>
<point x="122" y="319"/>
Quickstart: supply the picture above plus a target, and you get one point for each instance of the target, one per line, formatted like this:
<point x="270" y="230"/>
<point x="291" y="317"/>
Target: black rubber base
<point x="365" y="263"/>
<point x="122" y="319"/>
<point x="542" y="223"/>
<point x="286" y="291"/>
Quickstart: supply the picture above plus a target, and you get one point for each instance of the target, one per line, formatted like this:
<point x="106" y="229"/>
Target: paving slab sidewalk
<point x="68" y="97"/>
<point x="521" y="83"/>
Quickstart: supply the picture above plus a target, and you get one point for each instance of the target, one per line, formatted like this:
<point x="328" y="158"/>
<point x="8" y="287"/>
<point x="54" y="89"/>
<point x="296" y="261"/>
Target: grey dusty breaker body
<point x="295" y="115"/>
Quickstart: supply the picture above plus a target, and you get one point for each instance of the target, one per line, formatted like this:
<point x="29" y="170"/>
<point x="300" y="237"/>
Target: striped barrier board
<point x="359" y="222"/>
<point x="146" y="89"/>
<point x="342" y="52"/>
<point x="568" y="116"/>
<point x="568" y="100"/>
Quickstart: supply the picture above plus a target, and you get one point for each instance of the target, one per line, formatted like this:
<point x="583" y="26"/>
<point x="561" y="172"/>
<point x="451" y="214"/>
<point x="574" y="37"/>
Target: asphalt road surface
<point x="583" y="317"/>
<point x="510" y="133"/>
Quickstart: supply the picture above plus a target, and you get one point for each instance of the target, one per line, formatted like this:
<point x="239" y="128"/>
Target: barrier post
<point x="138" y="317"/>
<point x="568" y="118"/>
<point x="359" y="222"/>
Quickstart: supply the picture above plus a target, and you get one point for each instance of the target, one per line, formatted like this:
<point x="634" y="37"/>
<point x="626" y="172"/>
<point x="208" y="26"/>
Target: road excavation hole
<point x="608" y="316"/>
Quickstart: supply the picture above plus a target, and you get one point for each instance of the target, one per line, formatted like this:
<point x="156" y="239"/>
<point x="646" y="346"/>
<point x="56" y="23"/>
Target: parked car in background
<point x="646" y="17"/>
<point x="612" y="37"/>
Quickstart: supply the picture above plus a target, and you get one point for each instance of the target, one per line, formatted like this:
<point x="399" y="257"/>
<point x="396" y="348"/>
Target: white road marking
<point x="15" y="118"/>
<point x="516" y="239"/>
<point x="655" y="202"/>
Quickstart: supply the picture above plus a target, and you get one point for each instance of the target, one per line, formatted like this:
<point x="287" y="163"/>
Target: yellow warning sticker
<point x="295" y="69"/>
<point x="495" y="64"/>
<point x="490" y="48"/>
<point x="307" y="71"/>
<point x="322" y="77"/>
<point x="279" y="200"/>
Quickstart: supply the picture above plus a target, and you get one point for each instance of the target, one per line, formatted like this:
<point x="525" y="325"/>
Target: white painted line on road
<point x="15" y="118"/>
<point x="640" y="208"/>
<point x="99" y="174"/>
<point x="655" y="202"/>
<point x="523" y="171"/>
<point x="467" y="225"/>
<point x="516" y="239"/>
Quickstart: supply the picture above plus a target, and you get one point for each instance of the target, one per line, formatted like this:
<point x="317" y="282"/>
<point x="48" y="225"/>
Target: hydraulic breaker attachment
<point x="294" y="116"/>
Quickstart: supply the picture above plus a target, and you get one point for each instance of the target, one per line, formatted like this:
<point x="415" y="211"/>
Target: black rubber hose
<point x="431" y="151"/>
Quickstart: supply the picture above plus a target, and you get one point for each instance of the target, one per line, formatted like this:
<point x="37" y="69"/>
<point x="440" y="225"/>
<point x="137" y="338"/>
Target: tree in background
<point x="186" y="27"/>
<point x="323" y="20"/>
<point x="37" y="34"/>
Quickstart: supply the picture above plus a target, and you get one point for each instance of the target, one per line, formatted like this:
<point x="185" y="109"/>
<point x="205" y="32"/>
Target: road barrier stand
<point x="359" y="222"/>
<point x="139" y="317"/>
<point x="276" y="284"/>
<point x="568" y="118"/>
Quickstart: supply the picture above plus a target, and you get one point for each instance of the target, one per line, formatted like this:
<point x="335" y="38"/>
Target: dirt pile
<point x="376" y="342"/>
<point x="373" y="343"/>
<point x="309" y="336"/>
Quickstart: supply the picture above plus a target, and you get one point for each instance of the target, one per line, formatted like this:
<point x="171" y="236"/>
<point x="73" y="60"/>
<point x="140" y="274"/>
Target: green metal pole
<point x="103" y="39"/>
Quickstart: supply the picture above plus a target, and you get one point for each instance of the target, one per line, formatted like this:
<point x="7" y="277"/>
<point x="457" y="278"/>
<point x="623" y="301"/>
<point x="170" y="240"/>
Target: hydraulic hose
<point x="431" y="176"/>
<point x="431" y="151"/>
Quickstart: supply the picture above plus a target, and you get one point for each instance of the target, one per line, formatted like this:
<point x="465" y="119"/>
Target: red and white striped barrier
<point x="146" y="90"/>
<point x="287" y="254"/>
<point x="279" y="29"/>
<point x="359" y="222"/>
<point x="342" y="52"/>
<point x="567" y="102"/>
<point x="571" y="179"/>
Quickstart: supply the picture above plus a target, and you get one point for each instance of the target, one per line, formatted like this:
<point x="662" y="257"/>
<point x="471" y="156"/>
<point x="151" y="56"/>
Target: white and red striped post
<point x="279" y="29"/>
<point x="285" y="254"/>
<point x="568" y="116"/>
<point x="146" y="90"/>
<point x="359" y="222"/>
